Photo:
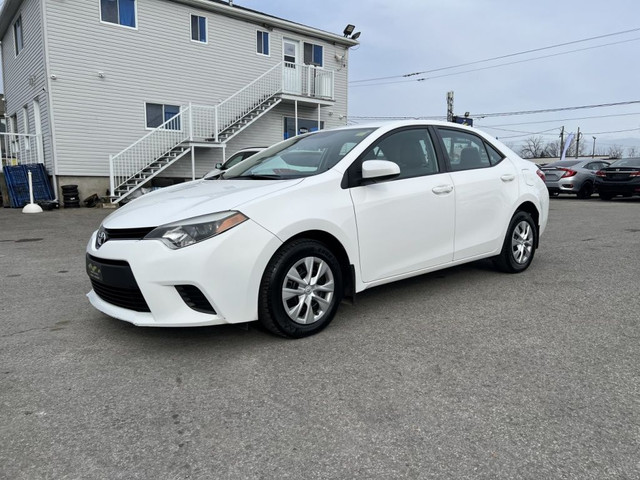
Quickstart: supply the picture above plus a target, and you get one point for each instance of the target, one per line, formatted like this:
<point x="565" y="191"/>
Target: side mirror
<point x="377" y="170"/>
<point x="218" y="166"/>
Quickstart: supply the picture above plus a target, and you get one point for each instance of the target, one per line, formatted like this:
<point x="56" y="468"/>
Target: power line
<point x="502" y="114"/>
<point x="499" y="57"/>
<point x="561" y="120"/>
<point x="422" y="79"/>
<point x="551" y="110"/>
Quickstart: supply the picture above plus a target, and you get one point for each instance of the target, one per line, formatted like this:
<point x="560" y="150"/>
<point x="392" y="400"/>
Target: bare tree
<point x="533" y="148"/>
<point x="615" y="151"/>
<point x="552" y="149"/>
<point x="632" y="152"/>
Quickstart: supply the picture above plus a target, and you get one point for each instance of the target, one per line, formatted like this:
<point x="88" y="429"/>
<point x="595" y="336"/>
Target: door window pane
<point x="465" y="151"/>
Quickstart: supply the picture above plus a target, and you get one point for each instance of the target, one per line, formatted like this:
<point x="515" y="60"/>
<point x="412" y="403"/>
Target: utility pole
<point x="561" y="142"/>
<point x="450" y="106"/>
<point x="578" y="142"/>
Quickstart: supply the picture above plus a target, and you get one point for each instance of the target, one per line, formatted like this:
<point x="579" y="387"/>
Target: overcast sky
<point x="405" y="36"/>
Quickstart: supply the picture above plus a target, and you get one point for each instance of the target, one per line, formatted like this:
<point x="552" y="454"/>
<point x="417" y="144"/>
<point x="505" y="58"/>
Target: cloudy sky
<point x="407" y="36"/>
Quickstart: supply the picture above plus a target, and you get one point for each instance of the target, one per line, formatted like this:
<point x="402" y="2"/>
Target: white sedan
<point x="283" y="236"/>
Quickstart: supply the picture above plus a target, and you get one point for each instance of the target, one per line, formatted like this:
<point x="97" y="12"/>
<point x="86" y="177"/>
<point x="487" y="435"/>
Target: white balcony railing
<point x="20" y="149"/>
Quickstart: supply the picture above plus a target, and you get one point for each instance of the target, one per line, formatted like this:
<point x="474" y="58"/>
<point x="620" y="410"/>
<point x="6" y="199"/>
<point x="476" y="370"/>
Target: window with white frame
<point x="262" y="46"/>
<point x="17" y="35"/>
<point x="313" y="54"/>
<point x="121" y="12"/>
<point x="158" y="114"/>
<point x="198" y="29"/>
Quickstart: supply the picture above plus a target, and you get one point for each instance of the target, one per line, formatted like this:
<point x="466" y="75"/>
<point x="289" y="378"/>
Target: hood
<point x="191" y="199"/>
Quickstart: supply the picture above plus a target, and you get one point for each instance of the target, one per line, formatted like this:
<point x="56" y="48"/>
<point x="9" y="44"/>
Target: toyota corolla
<point x="283" y="236"/>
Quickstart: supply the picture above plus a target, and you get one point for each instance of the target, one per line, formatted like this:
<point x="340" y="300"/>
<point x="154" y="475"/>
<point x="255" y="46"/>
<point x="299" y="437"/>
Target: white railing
<point x="208" y="122"/>
<point x="155" y="144"/>
<point x="20" y="149"/>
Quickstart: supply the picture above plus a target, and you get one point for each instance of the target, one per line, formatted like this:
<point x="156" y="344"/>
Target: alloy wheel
<point x="308" y="290"/>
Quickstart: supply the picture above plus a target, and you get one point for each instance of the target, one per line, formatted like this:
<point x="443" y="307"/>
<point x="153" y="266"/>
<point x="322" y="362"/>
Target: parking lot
<point x="463" y="373"/>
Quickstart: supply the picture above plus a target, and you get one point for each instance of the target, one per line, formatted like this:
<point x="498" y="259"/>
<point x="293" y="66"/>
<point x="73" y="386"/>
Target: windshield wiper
<point x="256" y="176"/>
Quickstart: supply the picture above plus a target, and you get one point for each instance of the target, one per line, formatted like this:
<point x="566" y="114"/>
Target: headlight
<point x="193" y="230"/>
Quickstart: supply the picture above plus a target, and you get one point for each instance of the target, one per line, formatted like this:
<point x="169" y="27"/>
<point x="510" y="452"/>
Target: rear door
<point x="486" y="191"/>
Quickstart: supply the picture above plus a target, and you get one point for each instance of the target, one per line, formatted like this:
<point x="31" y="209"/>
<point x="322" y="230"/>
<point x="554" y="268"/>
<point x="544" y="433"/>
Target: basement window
<point x="198" y="29"/>
<point x="262" y="46"/>
<point x="158" y="114"/>
<point x="313" y="54"/>
<point x="17" y="35"/>
<point x="121" y="12"/>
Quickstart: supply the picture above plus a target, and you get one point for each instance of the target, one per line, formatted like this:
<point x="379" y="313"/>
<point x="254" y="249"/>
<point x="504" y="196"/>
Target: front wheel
<point x="301" y="289"/>
<point x="518" y="248"/>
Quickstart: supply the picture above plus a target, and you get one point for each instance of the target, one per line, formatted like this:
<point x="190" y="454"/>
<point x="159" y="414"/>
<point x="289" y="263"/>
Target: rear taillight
<point x="601" y="174"/>
<point x="568" y="172"/>
<point x="541" y="175"/>
<point x="635" y="174"/>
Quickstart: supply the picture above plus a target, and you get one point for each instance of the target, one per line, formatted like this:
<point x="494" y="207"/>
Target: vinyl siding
<point x="24" y="75"/>
<point x="156" y="62"/>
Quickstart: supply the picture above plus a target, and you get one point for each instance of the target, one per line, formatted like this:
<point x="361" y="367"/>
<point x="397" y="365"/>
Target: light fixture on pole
<point x="348" y="30"/>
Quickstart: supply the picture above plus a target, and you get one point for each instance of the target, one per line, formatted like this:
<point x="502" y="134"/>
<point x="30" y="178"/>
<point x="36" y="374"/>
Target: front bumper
<point x="227" y="269"/>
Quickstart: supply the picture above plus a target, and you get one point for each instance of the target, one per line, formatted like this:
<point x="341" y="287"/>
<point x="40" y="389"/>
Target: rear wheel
<point x="605" y="196"/>
<point x="518" y="248"/>
<point x="586" y="190"/>
<point x="300" y="290"/>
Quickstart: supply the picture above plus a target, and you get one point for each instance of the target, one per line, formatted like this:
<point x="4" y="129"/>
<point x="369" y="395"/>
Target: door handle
<point x="442" y="189"/>
<point x="507" y="177"/>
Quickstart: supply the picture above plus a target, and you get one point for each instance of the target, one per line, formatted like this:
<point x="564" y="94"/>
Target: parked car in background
<point x="572" y="176"/>
<point x="234" y="159"/>
<point x="622" y="177"/>
<point x="285" y="234"/>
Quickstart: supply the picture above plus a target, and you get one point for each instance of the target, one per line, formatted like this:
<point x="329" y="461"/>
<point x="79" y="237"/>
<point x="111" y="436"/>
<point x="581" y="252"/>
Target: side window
<point x="313" y="54"/>
<point x="157" y="114"/>
<point x="411" y="149"/>
<point x="198" y="29"/>
<point x="495" y="157"/>
<point x="262" y="43"/>
<point x="17" y="35"/>
<point x="121" y="12"/>
<point x="465" y="151"/>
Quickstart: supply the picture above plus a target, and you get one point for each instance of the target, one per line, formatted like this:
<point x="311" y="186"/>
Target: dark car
<point x="572" y="176"/>
<point x="622" y="177"/>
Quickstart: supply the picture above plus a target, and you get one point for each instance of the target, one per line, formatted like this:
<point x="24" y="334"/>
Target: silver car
<point x="572" y="176"/>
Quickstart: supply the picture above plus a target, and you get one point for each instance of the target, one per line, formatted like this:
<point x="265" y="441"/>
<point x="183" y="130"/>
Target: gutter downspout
<point x="47" y="69"/>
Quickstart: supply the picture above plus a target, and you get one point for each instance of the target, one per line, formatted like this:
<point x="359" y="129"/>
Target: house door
<point x="291" y="72"/>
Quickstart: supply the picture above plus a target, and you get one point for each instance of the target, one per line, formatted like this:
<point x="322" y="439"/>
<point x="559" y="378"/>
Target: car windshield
<point x="626" y="162"/>
<point x="301" y="156"/>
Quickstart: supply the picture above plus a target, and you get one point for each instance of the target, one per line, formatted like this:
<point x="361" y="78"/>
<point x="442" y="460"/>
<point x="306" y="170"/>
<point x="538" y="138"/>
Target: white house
<point x="111" y="93"/>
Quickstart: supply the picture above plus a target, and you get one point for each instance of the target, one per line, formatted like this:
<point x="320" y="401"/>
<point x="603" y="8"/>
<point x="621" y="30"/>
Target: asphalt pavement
<point x="463" y="373"/>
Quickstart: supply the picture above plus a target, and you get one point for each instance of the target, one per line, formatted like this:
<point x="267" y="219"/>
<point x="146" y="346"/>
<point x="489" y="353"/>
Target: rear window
<point x="626" y="162"/>
<point x="563" y="163"/>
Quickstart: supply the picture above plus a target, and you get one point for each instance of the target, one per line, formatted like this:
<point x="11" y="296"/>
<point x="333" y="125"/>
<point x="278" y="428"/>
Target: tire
<point x="605" y="196"/>
<point x="294" y="300"/>
<point x="586" y="190"/>
<point x="518" y="248"/>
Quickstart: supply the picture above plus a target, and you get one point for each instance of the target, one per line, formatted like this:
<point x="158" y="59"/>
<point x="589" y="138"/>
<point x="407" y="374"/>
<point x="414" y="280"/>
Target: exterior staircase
<point x="215" y="125"/>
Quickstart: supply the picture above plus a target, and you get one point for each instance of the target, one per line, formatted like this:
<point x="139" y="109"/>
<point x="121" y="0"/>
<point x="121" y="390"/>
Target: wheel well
<point x="531" y="209"/>
<point x="333" y="244"/>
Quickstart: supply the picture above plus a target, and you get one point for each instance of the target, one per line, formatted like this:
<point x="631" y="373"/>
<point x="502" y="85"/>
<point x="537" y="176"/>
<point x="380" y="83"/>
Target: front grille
<point x="128" y="233"/>
<point x="130" y="298"/>
<point x="195" y="299"/>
